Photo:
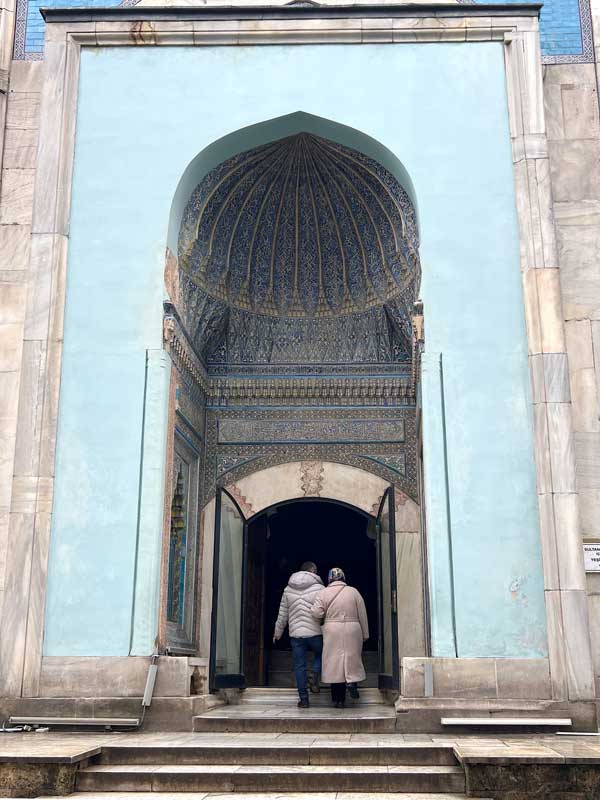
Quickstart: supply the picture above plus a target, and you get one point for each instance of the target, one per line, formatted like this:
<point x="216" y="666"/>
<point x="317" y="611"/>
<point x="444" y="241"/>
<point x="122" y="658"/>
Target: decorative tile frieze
<point x="355" y="390"/>
<point x="394" y="461"/>
<point x="191" y="382"/>
<point x="226" y="463"/>
<point x="308" y="384"/>
<point x="250" y="422"/>
<point x="180" y="348"/>
<point x="309" y="431"/>
<point x="190" y="403"/>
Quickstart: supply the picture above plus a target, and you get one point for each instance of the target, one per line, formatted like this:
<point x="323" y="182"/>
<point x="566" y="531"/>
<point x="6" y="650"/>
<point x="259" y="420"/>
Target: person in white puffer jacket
<point x="305" y="631"/>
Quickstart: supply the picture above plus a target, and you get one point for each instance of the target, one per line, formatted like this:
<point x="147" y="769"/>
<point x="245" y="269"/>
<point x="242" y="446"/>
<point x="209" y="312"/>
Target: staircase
<point x="265" y="747"/>
<point x="250" y="764"/>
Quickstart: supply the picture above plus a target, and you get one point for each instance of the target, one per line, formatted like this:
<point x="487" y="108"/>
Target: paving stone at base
<point x="32" y="780"/>
<point x="267" y="796"/>
<point x="533" y="781"/>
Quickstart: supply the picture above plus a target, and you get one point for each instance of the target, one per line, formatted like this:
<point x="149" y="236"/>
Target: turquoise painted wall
<point x="144" y="115"/>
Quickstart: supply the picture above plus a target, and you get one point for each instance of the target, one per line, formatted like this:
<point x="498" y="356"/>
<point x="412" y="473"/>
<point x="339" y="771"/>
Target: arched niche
<point x="295" y="240"/>
<point x="269" y="130"/>
<point x="351" y="486"/>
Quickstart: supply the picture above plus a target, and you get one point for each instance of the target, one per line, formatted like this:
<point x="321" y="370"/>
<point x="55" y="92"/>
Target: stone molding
<point x="571" y="664"/>
<point x="21" y="630"/>
<point x="260" y="32"/>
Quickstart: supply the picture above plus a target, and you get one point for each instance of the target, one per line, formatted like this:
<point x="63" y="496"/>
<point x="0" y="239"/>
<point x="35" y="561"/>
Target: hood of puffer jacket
<point x="302" y="580"/>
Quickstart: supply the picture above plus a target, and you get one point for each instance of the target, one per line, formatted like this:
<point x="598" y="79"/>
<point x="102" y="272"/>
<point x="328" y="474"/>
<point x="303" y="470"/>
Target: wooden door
<point x="254" y="634"/>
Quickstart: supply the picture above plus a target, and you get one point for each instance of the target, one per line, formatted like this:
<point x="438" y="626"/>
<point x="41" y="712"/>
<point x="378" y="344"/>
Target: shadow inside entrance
<point x="279" y="541"/>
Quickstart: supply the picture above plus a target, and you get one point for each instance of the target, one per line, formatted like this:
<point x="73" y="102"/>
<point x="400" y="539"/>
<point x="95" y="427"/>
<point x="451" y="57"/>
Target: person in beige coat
<point x="345" y="628"/>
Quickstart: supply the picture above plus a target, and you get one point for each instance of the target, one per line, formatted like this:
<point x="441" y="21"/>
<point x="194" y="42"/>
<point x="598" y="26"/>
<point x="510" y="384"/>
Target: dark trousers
<point x="300" y="647"/>
<point x="338" y="692"/>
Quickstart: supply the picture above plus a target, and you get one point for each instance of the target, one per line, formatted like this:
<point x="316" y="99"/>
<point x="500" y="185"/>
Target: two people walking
<point x="332" y="623"/>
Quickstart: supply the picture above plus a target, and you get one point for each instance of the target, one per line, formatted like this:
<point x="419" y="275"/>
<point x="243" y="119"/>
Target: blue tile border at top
<point x="565" y="28"/>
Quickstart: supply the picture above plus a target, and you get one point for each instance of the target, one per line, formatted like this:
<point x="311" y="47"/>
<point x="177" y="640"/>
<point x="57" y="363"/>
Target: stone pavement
<point x="54" y="747"/>
<point x="311" y="766"/>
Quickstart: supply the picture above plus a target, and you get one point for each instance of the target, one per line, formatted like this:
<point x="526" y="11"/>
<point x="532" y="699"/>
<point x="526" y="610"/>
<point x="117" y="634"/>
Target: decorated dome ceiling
<point x="302" y="231"/>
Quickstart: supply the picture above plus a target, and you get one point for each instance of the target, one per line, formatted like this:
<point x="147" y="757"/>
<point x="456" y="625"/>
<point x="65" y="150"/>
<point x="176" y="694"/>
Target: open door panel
<point x="389" y="669"/>
<point x="229" y="591"/>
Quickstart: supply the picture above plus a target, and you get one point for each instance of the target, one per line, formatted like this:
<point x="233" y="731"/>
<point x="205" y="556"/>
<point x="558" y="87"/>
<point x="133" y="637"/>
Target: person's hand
<point x="275" y="639"/>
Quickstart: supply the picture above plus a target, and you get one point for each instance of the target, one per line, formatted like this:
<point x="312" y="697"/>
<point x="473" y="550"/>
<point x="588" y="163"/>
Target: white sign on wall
<point x="591" y="556"/>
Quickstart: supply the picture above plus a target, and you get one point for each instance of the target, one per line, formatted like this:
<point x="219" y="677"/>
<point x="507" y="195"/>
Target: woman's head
<point x="335" y="574"/>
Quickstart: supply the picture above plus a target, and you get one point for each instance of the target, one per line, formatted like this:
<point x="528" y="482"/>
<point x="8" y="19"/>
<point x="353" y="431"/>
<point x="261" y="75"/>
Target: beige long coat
<point x="344" y="630"/>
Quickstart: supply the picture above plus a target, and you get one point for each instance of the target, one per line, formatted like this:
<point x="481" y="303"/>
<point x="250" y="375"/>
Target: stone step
<point x="273" y="778"/>
<point x="289" y="697"/>
<point x="270" y="752"/>
<point x="275" y="796"/>
<point x="284" y="678"/>
<point x="257" y="718"/>
<point x="282" y="659"/>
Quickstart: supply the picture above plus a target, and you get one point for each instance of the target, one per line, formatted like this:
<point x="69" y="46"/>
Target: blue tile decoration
<point x="383" y="441"/>
<point x="227" y="463"/>
<point x="566" y="28"/>
<point x="29" y="27"/>
<point x="316" y="430"/>
<point x="566" y="31"/>
<point x="300" y="251"/>
<point x="395" y="463"/>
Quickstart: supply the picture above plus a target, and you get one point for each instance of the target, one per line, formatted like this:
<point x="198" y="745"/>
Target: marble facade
<point x="557" y="188"/>
<point x="574" y="144"/>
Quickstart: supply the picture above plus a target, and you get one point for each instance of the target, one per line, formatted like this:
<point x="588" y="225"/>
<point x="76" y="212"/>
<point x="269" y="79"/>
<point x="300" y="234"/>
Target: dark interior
<point x="279" y="540"/>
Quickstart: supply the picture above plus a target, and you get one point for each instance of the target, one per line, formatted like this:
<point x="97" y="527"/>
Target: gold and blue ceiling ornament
<point x="300" y="250"/>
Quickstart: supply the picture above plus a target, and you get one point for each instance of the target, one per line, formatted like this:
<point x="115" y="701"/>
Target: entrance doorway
<point x="253" y="560"/>
<point x="280" y="539"/>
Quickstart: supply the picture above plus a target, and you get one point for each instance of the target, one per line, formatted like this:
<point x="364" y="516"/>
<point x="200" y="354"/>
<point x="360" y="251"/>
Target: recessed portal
<point x="295" y="277"/>
<point x="279" y="540"/>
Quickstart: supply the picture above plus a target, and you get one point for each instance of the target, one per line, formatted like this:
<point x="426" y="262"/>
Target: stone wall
<point x="20" y="355"/>
<point x="574" y="141"/>
<point x="573" y="130"/>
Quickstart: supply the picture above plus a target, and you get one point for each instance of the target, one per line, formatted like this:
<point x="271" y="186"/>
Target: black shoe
<point x="302" y="703"/>
<point x="315" y="683"/>
<point x="354" y="693"/>
<point x="338" y="704"/>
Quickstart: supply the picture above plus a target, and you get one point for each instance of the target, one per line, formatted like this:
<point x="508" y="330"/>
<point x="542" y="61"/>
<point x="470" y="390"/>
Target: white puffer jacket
<point x="296" y="603"/>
